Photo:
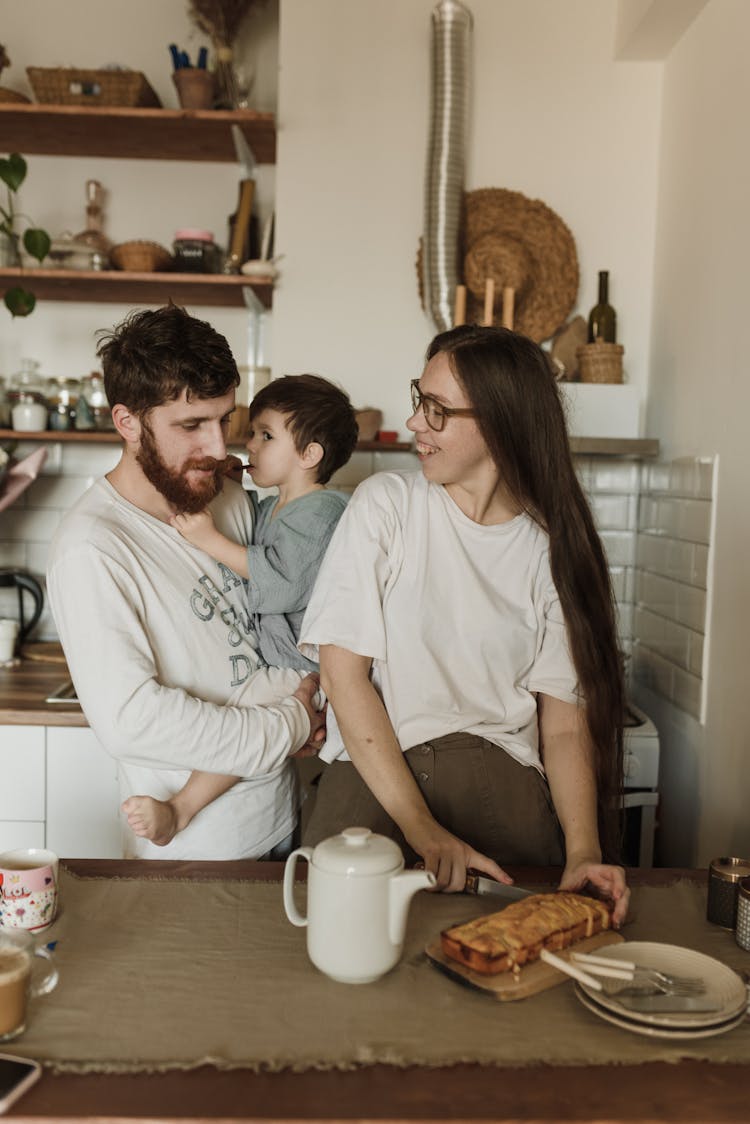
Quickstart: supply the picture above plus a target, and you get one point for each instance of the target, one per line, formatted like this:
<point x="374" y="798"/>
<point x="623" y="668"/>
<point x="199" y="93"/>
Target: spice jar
<point x="742" y="929"/>
<point x="27" y="398"/>
<point x="62" y="398"/>
<point x="195" y="251"/>
<point x="93" y="408"/>
<point x="724" y="875"/>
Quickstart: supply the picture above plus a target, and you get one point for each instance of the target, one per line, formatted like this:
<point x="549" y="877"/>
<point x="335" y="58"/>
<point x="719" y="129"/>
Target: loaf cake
<point x="505" y="941"/>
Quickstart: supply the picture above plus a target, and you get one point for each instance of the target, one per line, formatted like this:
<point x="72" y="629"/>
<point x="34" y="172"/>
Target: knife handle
<point x="241" y="224"/>
<point x="470" y="885"/>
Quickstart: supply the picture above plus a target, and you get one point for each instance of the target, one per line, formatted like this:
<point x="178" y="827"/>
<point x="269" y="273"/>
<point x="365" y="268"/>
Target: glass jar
<point x="28" y="381"/>
<point x="195" y="251"/>
<point x="93" y="408"/>
<point x="62" y="399"/>
<point x="4" y="405"/>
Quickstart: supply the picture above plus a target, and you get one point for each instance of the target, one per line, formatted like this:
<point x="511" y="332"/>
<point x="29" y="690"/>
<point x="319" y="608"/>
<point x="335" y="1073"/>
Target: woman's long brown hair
<point x="509" y="382"/>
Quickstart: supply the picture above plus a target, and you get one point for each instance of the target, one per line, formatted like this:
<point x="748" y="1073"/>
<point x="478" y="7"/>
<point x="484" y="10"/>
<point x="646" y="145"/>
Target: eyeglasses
<point x="435" y="414"/>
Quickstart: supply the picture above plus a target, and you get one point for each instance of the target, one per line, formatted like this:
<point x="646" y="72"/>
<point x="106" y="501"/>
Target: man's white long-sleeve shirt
<point x="161" y="651"/>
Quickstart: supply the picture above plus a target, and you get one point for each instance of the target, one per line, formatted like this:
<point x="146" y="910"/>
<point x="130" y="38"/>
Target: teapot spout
<point x="401" y="890"/>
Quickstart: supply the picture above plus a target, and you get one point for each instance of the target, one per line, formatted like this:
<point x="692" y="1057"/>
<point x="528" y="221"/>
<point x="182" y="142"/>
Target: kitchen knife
<point x="667" y="1003"/>
<point x="248" y="164"/>
<point x="478" y="884"/>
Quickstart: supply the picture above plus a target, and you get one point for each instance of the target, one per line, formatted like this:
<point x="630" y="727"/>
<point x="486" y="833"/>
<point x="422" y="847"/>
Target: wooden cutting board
<point x="532" y="979"/>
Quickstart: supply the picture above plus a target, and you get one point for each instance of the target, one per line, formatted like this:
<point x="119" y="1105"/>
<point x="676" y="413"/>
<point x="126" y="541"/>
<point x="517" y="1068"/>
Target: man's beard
<point x="173" y="485"/>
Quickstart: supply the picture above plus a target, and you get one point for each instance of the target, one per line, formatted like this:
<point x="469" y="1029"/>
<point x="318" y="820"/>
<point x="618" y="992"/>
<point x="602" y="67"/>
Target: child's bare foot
<point x="151" y="819"/>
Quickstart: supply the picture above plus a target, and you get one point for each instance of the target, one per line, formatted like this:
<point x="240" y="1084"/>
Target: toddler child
<point x="302" y="429"/>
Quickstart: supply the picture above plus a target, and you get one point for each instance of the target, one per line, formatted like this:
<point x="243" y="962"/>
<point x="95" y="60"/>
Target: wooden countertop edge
<point x="52" y="715"/>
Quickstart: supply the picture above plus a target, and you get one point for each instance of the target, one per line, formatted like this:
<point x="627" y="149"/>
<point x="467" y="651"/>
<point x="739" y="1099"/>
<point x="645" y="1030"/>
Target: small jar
<point x="194" y="251"/>
<point x="4" y="406"/>
<point x="62" y="396"/>
<point x="724" y="875"/>
<point x="29" y="415"/>
<point x="93" y="404"/>
<point x="28" y="382"/>
<point x="742" y="929"/>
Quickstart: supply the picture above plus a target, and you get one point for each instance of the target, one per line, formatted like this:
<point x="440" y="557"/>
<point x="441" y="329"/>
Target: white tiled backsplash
<point x="654" y="521"/>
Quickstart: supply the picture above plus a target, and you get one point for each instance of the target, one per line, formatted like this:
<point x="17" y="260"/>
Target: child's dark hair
<point x="315" y="410"/>
<point x="152" y="356"/>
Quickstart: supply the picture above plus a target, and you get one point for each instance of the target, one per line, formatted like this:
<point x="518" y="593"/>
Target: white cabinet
<point x="58" y="790"/>
<point x="23" y="787"/>
<point x="83" y="797"/>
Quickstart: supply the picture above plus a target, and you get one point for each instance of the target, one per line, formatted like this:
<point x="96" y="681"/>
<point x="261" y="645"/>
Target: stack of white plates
<point x="725" y="991"/>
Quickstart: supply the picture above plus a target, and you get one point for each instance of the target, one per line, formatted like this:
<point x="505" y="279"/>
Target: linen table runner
<point x="165" y="974"/>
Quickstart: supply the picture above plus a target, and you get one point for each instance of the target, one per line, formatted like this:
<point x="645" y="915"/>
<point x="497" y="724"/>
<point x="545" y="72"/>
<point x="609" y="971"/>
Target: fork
<point x="622" y="974"/>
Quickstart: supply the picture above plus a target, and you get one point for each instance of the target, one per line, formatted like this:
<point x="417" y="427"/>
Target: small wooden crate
<point x="67" y="86"/>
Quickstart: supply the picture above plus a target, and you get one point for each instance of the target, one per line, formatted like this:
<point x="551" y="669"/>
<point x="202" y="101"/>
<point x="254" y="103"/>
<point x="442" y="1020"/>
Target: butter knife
<point x="478" y="884"/>
<point x="667" y="1004"/>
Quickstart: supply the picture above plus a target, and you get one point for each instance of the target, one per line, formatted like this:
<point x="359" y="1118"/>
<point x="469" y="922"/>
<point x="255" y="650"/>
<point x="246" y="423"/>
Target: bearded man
<point x="159" y="647"/>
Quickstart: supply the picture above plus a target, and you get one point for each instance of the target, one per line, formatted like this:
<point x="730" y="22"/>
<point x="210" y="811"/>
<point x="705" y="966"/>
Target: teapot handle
<point x="292" y="912"/>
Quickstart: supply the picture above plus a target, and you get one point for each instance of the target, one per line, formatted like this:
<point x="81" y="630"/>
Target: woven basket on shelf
<point x="12" y="96"/>
<point x="140" y="257"/>
<point x="66" y="86"/>
<point x="600" y="362"/>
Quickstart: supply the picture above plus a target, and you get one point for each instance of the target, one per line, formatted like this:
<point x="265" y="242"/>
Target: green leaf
<point x="13" y="170"/>
<point x="37" y="242"/>
<point x="19" y="302"/>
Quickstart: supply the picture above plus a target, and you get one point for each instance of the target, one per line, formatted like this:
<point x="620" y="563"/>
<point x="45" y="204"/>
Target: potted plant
<point x="18" y="301"/>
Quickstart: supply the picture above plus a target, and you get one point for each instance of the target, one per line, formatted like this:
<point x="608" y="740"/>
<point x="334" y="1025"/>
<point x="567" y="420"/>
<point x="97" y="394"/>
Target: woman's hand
<point x="449" y="858"/>
<point x="607" y="880"/>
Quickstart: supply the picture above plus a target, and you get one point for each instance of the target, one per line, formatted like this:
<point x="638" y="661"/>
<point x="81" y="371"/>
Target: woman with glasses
<point x="467" y="639"/>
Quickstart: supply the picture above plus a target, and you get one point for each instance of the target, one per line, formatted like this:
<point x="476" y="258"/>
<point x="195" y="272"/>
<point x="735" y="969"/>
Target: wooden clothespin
<point x="489" y="302"/>
<point x="509" y="298"/>
<point x="459" y="309"/>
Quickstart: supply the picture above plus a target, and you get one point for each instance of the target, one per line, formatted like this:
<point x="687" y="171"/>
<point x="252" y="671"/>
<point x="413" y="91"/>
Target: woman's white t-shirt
<point x="462" y="621"/>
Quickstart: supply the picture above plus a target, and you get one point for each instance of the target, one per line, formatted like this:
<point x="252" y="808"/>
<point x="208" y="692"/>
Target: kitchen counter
<point x="683" y="1088"/>
<point x="24" y="688"/>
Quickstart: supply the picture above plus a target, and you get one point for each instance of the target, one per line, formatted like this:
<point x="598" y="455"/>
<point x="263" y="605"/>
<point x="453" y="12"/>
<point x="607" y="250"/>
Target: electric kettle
<point x="25" y="584"/>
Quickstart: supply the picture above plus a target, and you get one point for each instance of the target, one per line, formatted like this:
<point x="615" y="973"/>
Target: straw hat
<point x="520" y="243"/>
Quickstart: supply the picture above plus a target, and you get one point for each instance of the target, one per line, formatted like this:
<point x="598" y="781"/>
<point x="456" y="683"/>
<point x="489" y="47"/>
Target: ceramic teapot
<point x="358" y="896"/>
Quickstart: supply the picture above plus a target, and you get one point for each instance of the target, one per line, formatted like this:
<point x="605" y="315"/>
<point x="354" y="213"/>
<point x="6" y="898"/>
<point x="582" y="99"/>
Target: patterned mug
<point x="28" y="889"/>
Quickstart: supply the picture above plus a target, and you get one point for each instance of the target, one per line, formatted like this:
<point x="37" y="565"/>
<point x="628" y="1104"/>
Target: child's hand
<point x="198" y="529"/>
<point x="234" y="468"/>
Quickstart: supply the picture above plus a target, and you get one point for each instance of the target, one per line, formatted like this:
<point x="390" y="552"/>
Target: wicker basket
<point x="65" y="86"/>
<point x="600" y="362"/>
<point x="140" y="257"/>
<point x="12" y="96"/>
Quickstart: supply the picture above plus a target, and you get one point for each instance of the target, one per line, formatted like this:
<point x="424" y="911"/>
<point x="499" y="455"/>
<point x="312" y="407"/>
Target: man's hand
<point x="306" y="693"/>
<point x="198" y="529"/>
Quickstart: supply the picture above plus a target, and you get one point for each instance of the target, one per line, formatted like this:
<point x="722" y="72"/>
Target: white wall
<point x="553" y="117"/>
<point x="699" y="396"/>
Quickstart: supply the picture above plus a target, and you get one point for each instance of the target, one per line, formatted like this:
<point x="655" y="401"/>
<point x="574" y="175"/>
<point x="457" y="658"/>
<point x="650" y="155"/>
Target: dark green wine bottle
<point x="603" y="318"/>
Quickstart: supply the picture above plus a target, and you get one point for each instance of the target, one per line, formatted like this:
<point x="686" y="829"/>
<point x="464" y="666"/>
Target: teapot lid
<point x="358" y="851"/>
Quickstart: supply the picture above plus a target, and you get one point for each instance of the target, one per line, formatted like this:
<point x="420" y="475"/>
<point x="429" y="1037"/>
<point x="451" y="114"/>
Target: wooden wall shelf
<point x="115" y="286"/>
<point x="134" y="134"/>
<point x="108" y="437"/>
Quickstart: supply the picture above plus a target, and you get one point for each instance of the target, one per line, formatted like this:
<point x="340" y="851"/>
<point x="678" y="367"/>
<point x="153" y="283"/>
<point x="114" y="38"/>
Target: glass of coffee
<point x="22" y="977"/>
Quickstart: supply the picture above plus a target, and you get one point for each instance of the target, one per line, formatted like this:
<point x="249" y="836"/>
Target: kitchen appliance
<point x="25" y="586"/>
<point x="640" y="797"/>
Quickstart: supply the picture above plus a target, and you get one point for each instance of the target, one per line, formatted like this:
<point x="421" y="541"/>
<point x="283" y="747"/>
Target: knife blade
<point x="667" y="1003"/>
<point x="478" y="884"/>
